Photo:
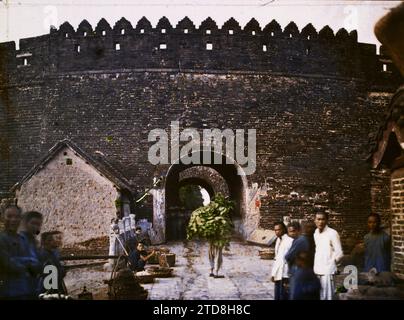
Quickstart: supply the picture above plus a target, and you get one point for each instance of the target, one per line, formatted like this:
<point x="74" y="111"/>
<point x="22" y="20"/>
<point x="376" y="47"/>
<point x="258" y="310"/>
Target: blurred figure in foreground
<point x="16" y="266"/>
<point x="303" y="244"/>
<point x="306" y="284"/>
<point x="50" y="245"/>
<point x="377" y="246"/>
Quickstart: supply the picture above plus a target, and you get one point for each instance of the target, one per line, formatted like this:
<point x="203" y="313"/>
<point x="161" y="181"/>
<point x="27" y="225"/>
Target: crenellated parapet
<point x="187" y="47"/>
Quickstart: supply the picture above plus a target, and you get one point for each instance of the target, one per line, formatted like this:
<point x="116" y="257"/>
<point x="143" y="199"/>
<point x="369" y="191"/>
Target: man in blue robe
<point x="304" y="243"/>
<point x="306" y="285"/>
<point x="377" y="246"/>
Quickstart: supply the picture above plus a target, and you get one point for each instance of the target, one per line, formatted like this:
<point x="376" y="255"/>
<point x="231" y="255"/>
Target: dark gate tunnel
<point x="198" y="182"/>
<point x="213" y="178"/>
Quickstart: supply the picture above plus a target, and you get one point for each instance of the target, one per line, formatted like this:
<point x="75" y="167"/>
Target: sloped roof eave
<point x="121" y="182"/>
<point x="389" y="125"/>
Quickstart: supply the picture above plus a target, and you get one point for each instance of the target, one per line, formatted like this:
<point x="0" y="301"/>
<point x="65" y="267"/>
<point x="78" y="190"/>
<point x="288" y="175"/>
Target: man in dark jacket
<point x="16" y="266"/>
<point x="134" y="239"/>
<point x="32" y="223"/>
<point x="306" y="285"/>
<point x="138" y="258"/>
<point x="303" y="244"/>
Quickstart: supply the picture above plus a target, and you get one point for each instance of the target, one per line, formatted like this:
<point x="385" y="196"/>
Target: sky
<point x="29" y="18"/>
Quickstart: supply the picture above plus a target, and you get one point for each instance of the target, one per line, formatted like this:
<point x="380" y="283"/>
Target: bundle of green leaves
<point x="212" y="222"/>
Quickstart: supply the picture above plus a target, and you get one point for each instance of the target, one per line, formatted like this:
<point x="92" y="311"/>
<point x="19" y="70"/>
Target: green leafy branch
<point x="212" y="222"/>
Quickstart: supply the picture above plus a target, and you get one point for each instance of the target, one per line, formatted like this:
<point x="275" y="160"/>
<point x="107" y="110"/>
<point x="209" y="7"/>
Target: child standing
<point x="377" y="246"/>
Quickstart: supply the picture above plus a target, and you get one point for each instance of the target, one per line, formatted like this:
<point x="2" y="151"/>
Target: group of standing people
<point x="23" y="259"/>
<point x="306" y="257"/>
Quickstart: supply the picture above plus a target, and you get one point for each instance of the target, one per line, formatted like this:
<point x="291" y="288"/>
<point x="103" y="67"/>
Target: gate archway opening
<point x="214" y="178"/>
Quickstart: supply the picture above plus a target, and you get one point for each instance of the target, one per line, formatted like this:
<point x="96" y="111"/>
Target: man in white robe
<point x="328" y="253"/>
<point x="279" y="274"/>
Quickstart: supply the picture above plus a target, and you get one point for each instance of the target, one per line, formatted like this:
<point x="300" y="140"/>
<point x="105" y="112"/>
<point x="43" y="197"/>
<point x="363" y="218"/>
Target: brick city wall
<point x="312" y="97"/>
<point x="381" y="196"/>
<point x="397" y="221"/>
<point x="201" y="175"/>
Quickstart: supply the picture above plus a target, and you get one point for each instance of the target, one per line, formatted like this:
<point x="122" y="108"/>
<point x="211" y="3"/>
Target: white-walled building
<point x="78" y="194"/>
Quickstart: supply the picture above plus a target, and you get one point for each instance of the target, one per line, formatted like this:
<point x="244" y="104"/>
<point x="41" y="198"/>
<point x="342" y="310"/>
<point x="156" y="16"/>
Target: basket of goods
<point x="145" y="277"/>
<point x="124" y="285"/>
<point x="267" y="254"/>
<point x="152" y="269"/>
<point x="154" y="259"/>
<point x="167" y="260"/>
<point x="163" y="250"/>
<point x="161" y="272"/>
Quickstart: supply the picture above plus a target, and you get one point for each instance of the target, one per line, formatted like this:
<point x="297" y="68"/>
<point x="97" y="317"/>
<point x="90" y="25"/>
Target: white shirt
<point x="328" y="251"/>
<point x="280" y="266"/>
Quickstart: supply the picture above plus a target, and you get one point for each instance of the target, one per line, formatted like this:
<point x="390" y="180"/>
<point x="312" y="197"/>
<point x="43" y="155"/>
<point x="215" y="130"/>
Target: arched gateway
<point x="227" y="177"/>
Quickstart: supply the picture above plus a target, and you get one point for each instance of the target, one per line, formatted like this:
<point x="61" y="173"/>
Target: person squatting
<point x="306" y="257"/>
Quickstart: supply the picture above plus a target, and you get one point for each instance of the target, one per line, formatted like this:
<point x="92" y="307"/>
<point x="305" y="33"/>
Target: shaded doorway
<point x="191" y="196"/>
<point x="207" y="179"/>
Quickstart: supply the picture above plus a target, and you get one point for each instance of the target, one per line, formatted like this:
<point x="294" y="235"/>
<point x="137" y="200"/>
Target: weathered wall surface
<point x="381" y="196"/>
<point x="397" y="221"/>
<point x="312" y="133"/>
<point x="207" y="177"/>
<point x="74" y="199"/>
<point x="312" y="97"/>
<point x="388" y="172"/>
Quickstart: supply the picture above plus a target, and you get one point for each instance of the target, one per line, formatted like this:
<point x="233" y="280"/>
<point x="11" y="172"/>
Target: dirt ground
<point x="246" y="276"/>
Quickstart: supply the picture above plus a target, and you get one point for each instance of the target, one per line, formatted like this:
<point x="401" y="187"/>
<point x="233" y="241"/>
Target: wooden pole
<point x="68" y="258"/>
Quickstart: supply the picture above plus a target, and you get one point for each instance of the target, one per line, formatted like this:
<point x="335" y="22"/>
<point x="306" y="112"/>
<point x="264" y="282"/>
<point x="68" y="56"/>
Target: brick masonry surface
<point x="397" y="219"/>
<point x="313" y="97"/>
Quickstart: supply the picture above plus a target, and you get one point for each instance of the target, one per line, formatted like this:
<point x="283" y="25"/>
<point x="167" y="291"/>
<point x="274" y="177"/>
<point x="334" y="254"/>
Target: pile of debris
<point x="96" y="246"/>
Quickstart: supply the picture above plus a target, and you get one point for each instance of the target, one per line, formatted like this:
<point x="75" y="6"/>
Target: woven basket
<point x="152" y="269"/>
<point x="162" y="272"/>
<point x="167" y="260"/>
<point x="266" y="254"/>
<point x="123" y="285"/>
<point x="147" y="278"/>
<point x="154" y="259"/>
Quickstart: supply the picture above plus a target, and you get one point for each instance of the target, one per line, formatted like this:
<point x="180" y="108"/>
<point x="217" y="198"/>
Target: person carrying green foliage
<point x="213" y="223"/>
